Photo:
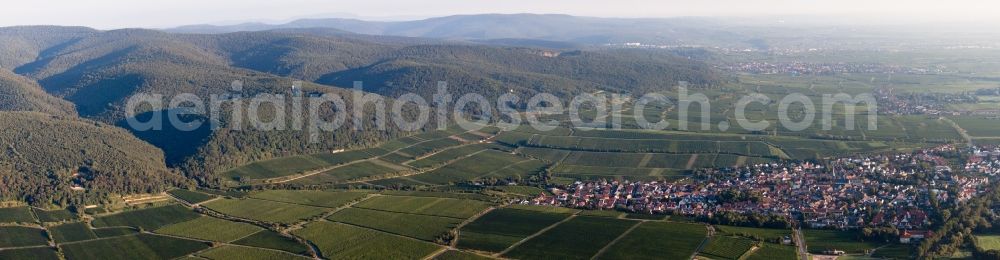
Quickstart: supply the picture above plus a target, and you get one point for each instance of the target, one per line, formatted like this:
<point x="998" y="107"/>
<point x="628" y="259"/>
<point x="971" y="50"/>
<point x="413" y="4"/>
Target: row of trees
<point x="748" y="219"/>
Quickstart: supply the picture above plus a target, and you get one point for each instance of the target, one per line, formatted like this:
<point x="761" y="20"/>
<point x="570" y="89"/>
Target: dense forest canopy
<point x="45" y="155"/>
<point x="65" y="72"/>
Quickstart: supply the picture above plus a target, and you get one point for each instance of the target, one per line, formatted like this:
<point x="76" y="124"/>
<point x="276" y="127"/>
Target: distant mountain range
<point x="538" y="27"/>
<point x="558" y="31"/>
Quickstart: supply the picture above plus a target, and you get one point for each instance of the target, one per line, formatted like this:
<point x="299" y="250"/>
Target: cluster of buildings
<point x="983" y="161"/>
<point x="898" y="190"/>
<point x="911" y="103"/>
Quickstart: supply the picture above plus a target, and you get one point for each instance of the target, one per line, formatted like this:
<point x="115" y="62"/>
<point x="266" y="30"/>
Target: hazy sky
<point x="108" y="14"/>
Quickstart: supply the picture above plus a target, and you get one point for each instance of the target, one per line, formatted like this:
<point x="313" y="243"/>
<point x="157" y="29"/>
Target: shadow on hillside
<point x="176" y="143"/>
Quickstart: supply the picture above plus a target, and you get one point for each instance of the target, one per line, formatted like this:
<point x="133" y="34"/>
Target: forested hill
<point x="70" y="71"/>
<point x="18" y="93"/>
<point x="122" y="62"/>
<point x="41" y="152"/>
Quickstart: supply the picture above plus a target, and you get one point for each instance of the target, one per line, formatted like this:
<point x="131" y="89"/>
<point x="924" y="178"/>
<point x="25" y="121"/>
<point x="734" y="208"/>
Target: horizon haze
<point x="107" y="14"/>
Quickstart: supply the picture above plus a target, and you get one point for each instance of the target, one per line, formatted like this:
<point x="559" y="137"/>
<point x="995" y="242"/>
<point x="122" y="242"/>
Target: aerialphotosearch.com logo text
<point x="312" y="112"/>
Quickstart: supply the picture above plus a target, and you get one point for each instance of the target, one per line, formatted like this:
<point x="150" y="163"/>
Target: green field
<point x="265" y="210"/>
<point x="979" y="126"/>
<point x="722" y="247"/>
<point x="17" y="236"/>
<point x="273" y="240"/>
<point x="484" y="164"/>
<point x="142" y="246"/>
<point x="310" y="197"/>
<point x="209" y="228"/>
<point x="645" y="216"/>
<point x="43" y="253"/>
<point x="189" y="196"/>
<point x="659" y="240"/>
<point x="284" y="166"/>
<point x="58" y="215"/>
<point x="449" y="155"/>
<point x="353" y="171"/>
<point x="246" y="253"/>
<point x="545" y="154"/>
<point x="16" y="214"/>
<point x="277" y="167"/>
<point x="503" y="227"/>
<point x="626" y="148"/>
<point x="847" y="241"/>
<point x="71" y="232"/>
<point x="578" y="238"/>
<point x="429" y="147"/>
<point x="349" y="242"/>
<point x="416" y="226"/>
<point x="149" y="218"/>
<point x="440" y="194"/>
<point x="224" y="193"/>
<point x="772" y="252"/>
<point x="602" y="213"/>
<point x="622" y="173"/>
<point x="541" y="208"/>
<point x="114" y="232"/>
<point x="442" y="207"/>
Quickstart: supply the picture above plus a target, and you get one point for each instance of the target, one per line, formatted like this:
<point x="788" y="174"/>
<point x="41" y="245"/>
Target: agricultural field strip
<point x="961" y="131"/>
<point x="458" y="228"/>
<point x="337" y="208"/>
<point x="251" y="234"/>
<point x="236" y="245"/>
<point x="432" y="255"/>
<point x="292" y="227"/>
<point x="428" y="170"/>
<point x="314" y="251"/>
<point x="322" y="170"/>
<point x="155" y="234"/>
<point x="188" y="204"/>
<point x="605" y="248"/>
<point x="407" y="163"/>
<point x="716" y="142"/>
<point x="207" y="201"/>
<point x="328" y="214"/>
<point x="173" y="236"/>
<point x="214" y="242"/>
<point x="705" y="241"/>
<point x="425" y="141"/>
<point x="742" y="244"/>
<point x="406" y="213"/>
<point x="769" y="142"/>
<point x="213" y="213"/>
<point x="381" y="231"/>
<point x="504" y="168"/>
<point x="540" y="232"/>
